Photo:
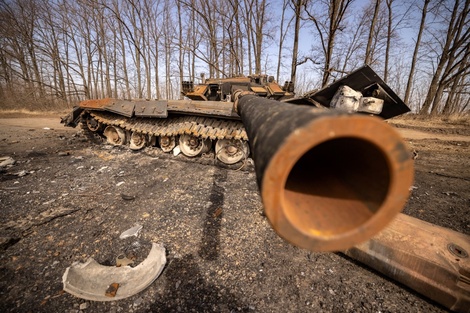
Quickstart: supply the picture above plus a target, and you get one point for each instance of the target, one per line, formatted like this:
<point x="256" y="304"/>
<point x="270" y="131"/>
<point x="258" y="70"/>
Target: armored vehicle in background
<point x="203" y="122"/>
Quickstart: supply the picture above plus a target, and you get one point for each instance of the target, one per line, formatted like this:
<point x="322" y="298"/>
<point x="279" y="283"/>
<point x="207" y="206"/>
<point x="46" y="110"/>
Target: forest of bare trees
<point x="54" y="53"/>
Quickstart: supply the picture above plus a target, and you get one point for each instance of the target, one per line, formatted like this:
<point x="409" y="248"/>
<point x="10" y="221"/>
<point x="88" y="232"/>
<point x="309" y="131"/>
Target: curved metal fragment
<point x="91" y="280"/>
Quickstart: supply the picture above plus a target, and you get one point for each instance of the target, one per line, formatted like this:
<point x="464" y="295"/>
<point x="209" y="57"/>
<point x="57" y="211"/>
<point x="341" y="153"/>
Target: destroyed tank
<point x="202" y="123"/>
<point x="206" y="122"/>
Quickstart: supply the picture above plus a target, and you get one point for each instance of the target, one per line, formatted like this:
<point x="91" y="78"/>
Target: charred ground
<point x="64" y="200"/>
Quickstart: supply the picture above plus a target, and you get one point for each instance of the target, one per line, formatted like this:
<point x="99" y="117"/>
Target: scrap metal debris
<point x="133" y="231"/>
<point x="93" y="281"/>
<point x="6" y="161"/>
<point x="112" y="290"/>
<point x="21" y="173"/>
<point x="127" y="196"/>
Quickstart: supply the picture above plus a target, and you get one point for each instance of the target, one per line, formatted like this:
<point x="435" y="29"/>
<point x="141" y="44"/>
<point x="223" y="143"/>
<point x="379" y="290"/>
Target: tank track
<point x="204" y="127"/>
<point x="89" y="135"/>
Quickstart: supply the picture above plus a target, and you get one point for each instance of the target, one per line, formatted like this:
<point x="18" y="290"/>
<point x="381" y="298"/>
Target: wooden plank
<point x="429" y="259"/>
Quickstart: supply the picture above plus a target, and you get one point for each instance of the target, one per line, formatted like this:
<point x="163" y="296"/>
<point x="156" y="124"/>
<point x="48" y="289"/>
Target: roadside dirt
<point x="62" y="202"/>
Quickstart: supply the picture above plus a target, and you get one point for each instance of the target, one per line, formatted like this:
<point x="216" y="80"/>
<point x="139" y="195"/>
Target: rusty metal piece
<point x="197" y="93"/>
<point x="231" y="151"/>
<point x="96" y="103"/>
<point x="93" y="124"/>
<point x="457" y="250"/>
<point x="173" y="126"/>
<point x="73" y="118"/>
<point x="237" y="94"/>
<point x="167" y="143"/>
<point x="329" y="180"/>
<point x="137" y="141"/>
<point x="192" y="146"/>
<point x="121" y="107"/>
<point x="151" y="108"/>
<point x="217" y="213"/>
<point x="430" y="259"/>
<point x="112" y="290"/>
<point x="115" y="135"/>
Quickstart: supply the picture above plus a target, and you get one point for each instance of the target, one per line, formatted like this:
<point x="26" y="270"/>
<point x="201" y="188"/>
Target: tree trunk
<point x="452" y="43"/>
<point x="368" y="58"/>
<point x="295" y="48"/>
<point x="416" y="50"/>
<point x="389" y="4"/>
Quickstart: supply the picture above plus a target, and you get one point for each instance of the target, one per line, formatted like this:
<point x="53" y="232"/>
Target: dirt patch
<point x="62" y="202"/>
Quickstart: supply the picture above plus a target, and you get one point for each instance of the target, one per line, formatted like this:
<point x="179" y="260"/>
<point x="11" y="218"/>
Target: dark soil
<point x="62" y="202"/>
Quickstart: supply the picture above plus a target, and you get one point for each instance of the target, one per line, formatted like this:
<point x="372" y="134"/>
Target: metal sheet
<point x="259" y="90"/>
<point x="366" y="81"/>
<point x="122" y="107"/>
<point x="274" y="89"/>
<point x="155" y="108"/>
<point x="198" y="93"/>
<point x="96" y="103"/>
<point x="203" y="108"/>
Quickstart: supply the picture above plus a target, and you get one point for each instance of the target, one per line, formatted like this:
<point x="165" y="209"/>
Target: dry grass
<point x="454" y="119"/>
<point x="15" y="113"/>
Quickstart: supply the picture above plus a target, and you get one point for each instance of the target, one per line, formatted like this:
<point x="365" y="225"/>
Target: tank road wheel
<point x="115" y="135"/>
<point x="93" y="124"/>
<point x="231" y="151"/>
<point x="192" y="146"/>
<point x="167" y="143"/>
<point x="137" y="141"/>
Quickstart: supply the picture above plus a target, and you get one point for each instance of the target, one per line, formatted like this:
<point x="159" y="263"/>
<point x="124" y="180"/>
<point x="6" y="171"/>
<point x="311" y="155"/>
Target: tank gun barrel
<point x="328" y="179"/>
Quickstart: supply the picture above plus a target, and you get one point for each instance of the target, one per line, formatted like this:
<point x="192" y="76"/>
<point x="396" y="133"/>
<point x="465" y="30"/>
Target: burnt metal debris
<point x="93" y="281"/>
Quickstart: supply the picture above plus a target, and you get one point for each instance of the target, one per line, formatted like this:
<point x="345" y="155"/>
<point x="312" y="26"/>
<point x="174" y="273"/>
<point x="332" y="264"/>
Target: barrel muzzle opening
<point x="341" y="182"/>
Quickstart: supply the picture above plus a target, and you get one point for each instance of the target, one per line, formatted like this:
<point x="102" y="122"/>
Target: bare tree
<point x="459" y="84"/>
<point x="180" y="44"/>
<point x="327" y="26"/>
<point x="283" y="31"/>
<point x="414" y="59"/>
<point x="235" y="39"/>
<point x="168" y="35"/>
<point x="454" y="51"/>
<point x="297" y="8"/>
<point x="122" y="44"/>
<point x="389" y="4"/>
<point x="19" y="30"/>
<point x="63" y="51"/>
<point x="208" y="30"/>
<point x="259" y="20"/>
<point x="350" y="46"/>
<point x="368" y="57"/>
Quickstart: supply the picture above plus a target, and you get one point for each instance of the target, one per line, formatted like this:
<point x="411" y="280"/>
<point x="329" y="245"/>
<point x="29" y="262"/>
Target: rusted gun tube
<point x="329" y="180"/>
